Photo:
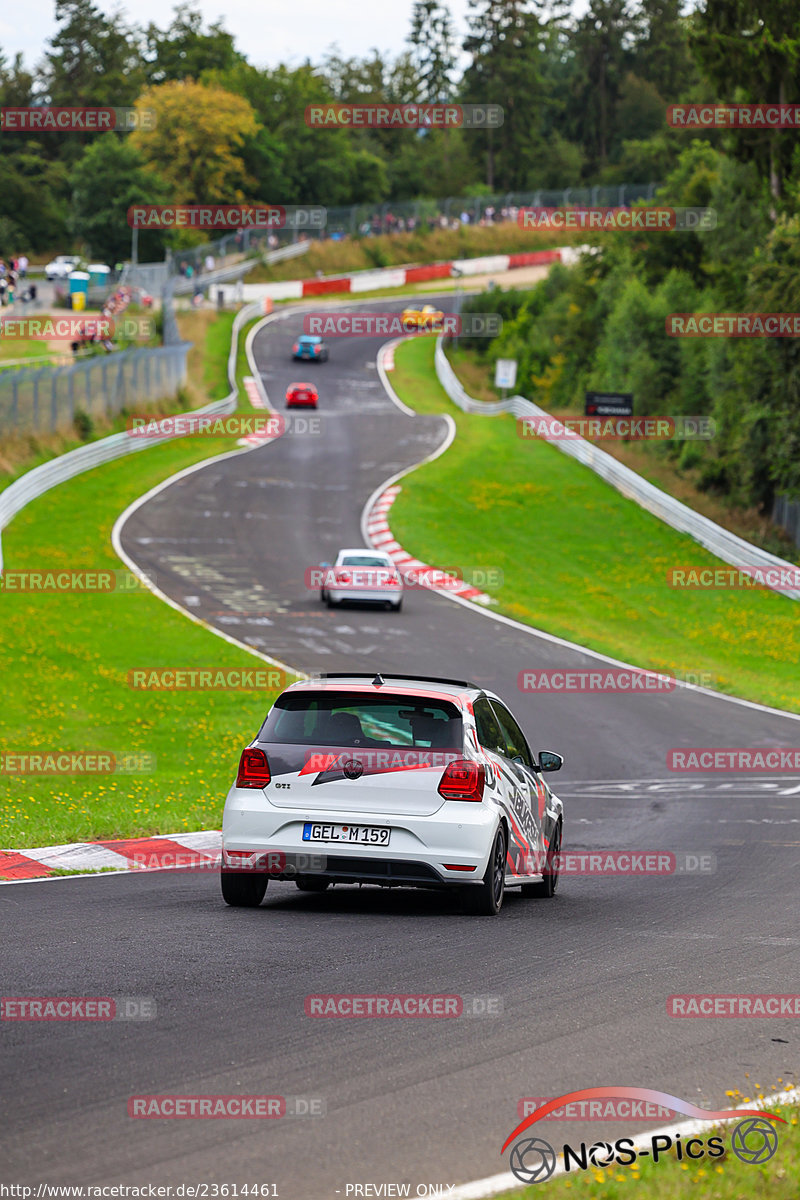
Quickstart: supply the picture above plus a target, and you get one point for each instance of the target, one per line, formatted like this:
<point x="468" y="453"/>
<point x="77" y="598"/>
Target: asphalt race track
<point x="583" y="980"/>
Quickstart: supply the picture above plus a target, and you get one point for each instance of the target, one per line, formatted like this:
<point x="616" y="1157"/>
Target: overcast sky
<point x="266" y="31"/>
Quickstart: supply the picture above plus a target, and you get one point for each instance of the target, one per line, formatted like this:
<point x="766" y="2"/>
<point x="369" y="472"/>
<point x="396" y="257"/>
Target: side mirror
<point x="548" y="761"/>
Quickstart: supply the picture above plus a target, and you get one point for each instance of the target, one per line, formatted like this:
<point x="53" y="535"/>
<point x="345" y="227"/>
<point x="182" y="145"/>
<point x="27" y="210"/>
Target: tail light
<point x="342" y="576"/>
<point x="463" y="780"/>
<point x="295" y="347"/>
<point x="394" y="581"/>
<point x="253" y="769"/>
<point x="317" y="349"/>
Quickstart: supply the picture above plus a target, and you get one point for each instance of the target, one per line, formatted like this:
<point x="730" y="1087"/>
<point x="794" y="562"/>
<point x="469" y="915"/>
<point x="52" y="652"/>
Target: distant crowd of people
<point x="389" y="223"/>
<point x="12" y="275"/>
<point x="114" y="306"/>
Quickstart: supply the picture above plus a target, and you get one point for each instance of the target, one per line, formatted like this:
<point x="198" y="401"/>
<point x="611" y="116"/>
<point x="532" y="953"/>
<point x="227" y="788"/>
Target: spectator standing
<point x="209" y="262"/>
<point x="23" y="266"/>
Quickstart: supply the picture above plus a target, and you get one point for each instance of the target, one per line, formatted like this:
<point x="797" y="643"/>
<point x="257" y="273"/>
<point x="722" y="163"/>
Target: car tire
<point x="330" y="602"/>
<point x="486" y="899"/>
<point x="308" y="883"/>
<point x="242" y="890"/>
<point x="549" y="884"/>
<point x="397" y="607"/>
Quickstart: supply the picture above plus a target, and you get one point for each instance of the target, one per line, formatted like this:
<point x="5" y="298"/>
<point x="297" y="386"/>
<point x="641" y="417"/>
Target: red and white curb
<point x="382" y="538"/>
<point x="257" y="401"/>
<point x="389" y="277"/>
<point x="173" y="851"/>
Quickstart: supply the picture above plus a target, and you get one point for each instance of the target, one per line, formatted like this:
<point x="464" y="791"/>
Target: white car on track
<point x="399" y="781"/>
<point x="363" y="577"/>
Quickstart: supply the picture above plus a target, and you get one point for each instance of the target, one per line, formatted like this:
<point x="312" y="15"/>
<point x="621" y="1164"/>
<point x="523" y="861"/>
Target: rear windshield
<point x="353" y="719"/>
<point x="363" y="560"/>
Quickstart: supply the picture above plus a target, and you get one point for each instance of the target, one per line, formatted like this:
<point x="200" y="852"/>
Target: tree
<point x="197" y="141"/>
<point x="308" y="165"/>
<point x="93" y="59"/>
<point x="754" y="46"/>
<point x="184" y="50"/>
<point x="33" y="196"/>
<point x="602" y="42"/>
<point x="504" y="44"/>
<point x="109" y="178"/>
<point x="433" y="50"/>
<point x="662" y="54"/>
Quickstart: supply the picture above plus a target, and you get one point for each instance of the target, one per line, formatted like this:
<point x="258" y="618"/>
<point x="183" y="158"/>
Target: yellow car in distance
<point x="426" y="317"/>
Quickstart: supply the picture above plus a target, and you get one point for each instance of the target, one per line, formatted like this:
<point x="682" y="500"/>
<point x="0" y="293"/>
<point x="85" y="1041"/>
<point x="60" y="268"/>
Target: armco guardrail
<point x="38" y="481"/>
<point x="720" y="542"/>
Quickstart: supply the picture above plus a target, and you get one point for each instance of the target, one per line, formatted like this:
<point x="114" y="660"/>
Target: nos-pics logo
<point x="534" y="1160"/>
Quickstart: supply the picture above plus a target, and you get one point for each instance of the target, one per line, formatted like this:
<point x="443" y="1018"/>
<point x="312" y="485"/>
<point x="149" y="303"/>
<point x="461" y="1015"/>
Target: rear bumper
<point x="423" y="850"/>
<point x="365" y="595"/>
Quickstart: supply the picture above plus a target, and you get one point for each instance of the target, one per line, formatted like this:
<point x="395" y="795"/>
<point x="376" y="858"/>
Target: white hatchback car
<point x="364" y="577"/>
<point x="399" y="781"/>
<point x="62" y="266"/>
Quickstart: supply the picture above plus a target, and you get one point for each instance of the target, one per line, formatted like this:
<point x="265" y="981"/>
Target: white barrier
<point x="35" y="483"/>
<point x="720" y="542"/>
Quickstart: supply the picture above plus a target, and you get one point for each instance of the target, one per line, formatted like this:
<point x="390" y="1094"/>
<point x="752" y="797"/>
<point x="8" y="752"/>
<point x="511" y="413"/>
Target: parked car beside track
<point x="62" y="266"/>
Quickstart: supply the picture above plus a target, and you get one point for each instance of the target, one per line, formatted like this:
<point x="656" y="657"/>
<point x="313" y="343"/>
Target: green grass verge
<point x="66" y="657"/>
<point x="724" y="1178"/>
<point x="578" y="559"/>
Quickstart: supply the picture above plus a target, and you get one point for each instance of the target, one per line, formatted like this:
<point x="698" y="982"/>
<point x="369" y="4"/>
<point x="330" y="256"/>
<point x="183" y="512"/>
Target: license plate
<point x="359" y="835"/>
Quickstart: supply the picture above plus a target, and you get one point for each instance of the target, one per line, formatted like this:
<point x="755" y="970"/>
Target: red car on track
<point x="301" y="395"/>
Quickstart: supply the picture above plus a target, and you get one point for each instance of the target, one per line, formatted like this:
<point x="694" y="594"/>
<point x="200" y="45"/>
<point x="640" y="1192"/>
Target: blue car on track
<point x="309" y="346"/>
